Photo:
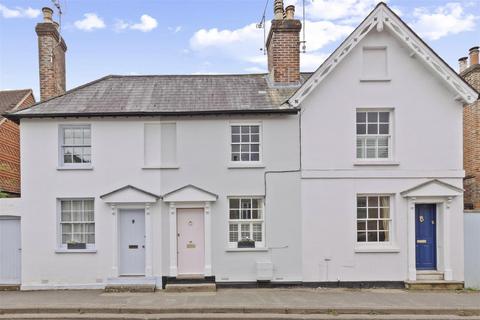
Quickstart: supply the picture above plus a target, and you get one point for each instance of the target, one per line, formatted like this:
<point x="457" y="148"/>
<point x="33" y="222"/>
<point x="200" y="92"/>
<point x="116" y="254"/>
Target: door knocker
<point x="190" y="223"/>
<point x="422" y="219"/>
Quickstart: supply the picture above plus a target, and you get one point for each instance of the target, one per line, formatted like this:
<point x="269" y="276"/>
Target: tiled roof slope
<point x="10" y="98"/>
<point x="167" y="94"/>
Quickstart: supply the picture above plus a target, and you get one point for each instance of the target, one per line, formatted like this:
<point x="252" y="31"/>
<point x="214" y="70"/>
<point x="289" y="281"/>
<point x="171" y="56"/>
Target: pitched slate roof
<point x="167" y="95"/>
<point x="9" y="99"/>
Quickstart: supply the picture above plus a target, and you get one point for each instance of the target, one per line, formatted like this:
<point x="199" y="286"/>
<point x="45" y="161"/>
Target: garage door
<point x="10" y="250"/>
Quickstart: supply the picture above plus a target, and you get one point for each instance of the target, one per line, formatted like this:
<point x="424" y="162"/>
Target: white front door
<point x="190" y="242"/>
<point x="10" y="251"/>
<point x="132" y="242"/>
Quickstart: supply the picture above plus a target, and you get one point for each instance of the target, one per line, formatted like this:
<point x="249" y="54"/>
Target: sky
<point x="204" y="36"/>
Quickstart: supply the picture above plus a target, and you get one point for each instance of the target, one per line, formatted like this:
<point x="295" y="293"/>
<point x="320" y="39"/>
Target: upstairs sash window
<point x="245" y="143"/>
<point x="76" y="145"/>
<point x="373" y="135"/>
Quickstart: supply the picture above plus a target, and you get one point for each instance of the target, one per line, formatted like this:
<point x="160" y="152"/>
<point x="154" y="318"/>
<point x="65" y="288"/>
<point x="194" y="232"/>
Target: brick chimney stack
<point x="51" y="57"/>
<point x="283" y="46"/>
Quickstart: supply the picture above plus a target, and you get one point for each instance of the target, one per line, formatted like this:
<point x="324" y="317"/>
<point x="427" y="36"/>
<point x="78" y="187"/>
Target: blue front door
<point x="426" y="236"/>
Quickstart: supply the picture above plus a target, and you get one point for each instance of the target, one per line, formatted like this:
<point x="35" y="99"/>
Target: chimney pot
<point x="290" y="10"/>
<point x="47" y="14"/>
<point x="462" y="64"/>
<point x="278" y="10"/>
<point x="473" y="52"/>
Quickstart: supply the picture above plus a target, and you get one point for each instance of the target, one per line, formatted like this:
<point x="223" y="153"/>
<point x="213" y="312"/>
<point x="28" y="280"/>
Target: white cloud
<point x="90" y="22"/>
<point x="444" y="20"/>
<point x="146" y="24"/>
<point x="348" y="11"/>
<point x="224" y="39"/>
<point x="321" y="33"/>
<point x="175" y="29"/>
<point x="311" y="61"/>
<point x="19" y="12"/>
<point x="244" y="44"/>
<point x="120" y="25"/>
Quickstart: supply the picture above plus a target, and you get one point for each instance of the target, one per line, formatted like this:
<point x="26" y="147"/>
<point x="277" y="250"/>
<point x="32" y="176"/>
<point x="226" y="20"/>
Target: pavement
<point x="298" y="303"/>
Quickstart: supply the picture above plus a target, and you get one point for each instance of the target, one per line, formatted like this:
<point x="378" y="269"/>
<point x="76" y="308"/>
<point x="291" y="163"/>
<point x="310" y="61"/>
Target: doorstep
<point x="9" y="287"/>
<point x="434" y="285"/>
<point x="429" y="275"/>
<point x="131" y="284"/>
<point x="189" y="283"/>
<point x="190" y="287"/>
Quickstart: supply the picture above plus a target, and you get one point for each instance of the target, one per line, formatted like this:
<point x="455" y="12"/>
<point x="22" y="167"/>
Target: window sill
<point x="375" y="79"/>
<point x="75" y="168"/>
<point x="246" y="250"/>
<point x="377" y="249"/>
<point x="254" y="165"/>
<point x="360" y="163"/>
<point x="164" y="167"/>
<point x="62" y="250"/>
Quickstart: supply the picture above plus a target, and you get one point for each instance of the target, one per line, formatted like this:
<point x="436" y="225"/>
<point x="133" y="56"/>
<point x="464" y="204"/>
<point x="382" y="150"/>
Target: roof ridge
<point x="12" y="90"/>
<point x="69" y="91"/>
<point x="195" y="75"/>
<point x="187" y="75"/>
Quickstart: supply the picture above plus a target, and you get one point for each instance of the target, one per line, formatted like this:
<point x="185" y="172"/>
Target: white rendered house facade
<point x="315" y="182"/>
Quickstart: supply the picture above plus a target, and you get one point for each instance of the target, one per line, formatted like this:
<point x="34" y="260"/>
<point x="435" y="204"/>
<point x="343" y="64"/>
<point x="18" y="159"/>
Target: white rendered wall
<point x="427" y="144"/>
<point x="117" y="152"/>
<point x="10" y="207"/>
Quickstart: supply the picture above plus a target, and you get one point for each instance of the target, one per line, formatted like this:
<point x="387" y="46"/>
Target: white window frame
<point x="61" y="146"/>
<point x="238" y="222"/>
<point x="260" y="147"/>
<point x="61" y="247"/>
<point x="379" y="246"/>
<point x="390" y="135"/>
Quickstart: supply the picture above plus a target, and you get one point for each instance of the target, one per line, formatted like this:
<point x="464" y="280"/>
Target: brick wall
<point x="10" y="153"/>
<point x="471" y="142"/>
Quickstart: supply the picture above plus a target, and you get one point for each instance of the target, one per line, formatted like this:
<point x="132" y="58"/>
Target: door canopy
<point x="190" y="193"/>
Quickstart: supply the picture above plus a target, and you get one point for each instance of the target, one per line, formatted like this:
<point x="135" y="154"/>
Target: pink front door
<point x="190" y="242"/>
